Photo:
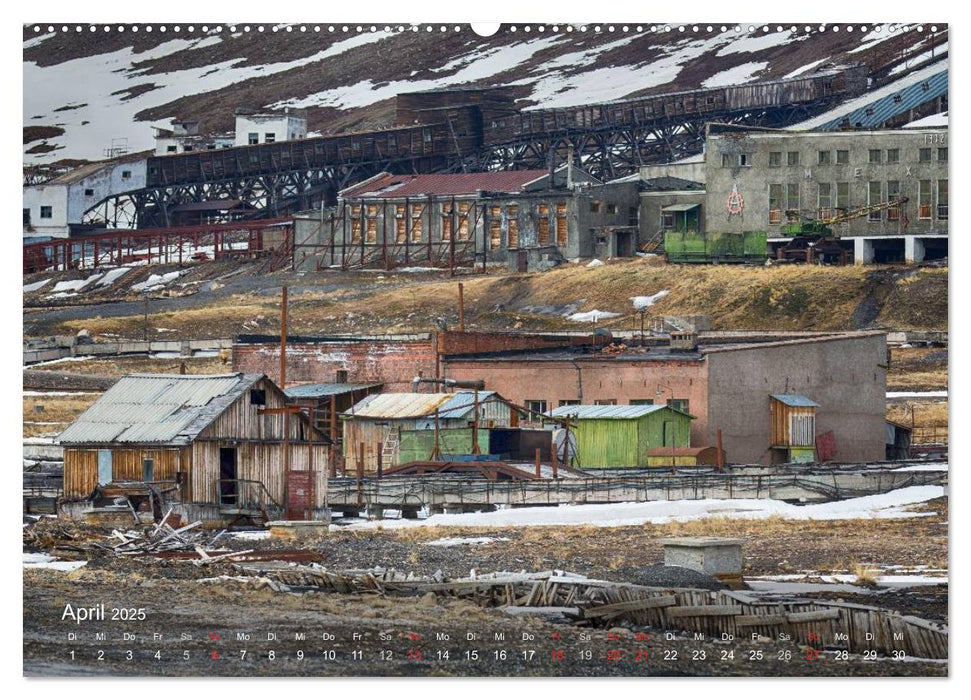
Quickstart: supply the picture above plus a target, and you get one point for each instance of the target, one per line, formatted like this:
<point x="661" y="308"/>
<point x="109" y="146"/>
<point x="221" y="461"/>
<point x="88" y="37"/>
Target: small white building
<point x="269" y="127"/>
<point x="53" y="207"/>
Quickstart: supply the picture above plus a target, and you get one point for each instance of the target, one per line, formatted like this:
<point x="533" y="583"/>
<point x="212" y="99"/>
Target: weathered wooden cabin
<point x="379" y="421"/>
<point x="217" y="448"/>
<point x="622" y="436"/>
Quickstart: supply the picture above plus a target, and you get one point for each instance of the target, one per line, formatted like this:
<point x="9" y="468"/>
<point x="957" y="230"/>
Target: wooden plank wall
<point x="81" y="466"/>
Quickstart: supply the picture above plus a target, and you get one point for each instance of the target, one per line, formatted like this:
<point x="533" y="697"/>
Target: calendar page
<point x="366" y="349"/>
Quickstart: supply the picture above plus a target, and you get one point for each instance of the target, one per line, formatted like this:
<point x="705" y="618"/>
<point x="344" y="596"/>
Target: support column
<point x="913" y="249"/>
<point x="862" y="251"/>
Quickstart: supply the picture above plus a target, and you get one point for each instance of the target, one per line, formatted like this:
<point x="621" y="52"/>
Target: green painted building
<point x="620" y="436"/>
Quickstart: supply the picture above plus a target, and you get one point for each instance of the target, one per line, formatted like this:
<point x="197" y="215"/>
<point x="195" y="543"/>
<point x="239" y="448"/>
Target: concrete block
<point x="715" y="556"/>
<point x="298" y="529"/>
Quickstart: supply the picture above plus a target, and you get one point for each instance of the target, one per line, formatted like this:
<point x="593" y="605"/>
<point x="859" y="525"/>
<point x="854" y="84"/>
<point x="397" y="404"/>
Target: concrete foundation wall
<point x="846" y="376"/>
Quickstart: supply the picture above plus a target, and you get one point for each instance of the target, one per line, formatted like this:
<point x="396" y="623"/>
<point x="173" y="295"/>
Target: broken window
<point x="874" y="193"/>
<point x="512" y="224"/>
<point x="562" y="234"/>
<point x="792" y="158"/>
<point x="89" y="193"/>
<point x="775" y="204"/>
<point x="924" y="200"/>
<point x="535" y="406"/>
<point x="543" y="224"/>
<point x="569" y="402"/>
<point x="825" y="200"/>
<point x="269" y="137"/>
<point x="252" y="138"/>
<point x="126" y="174"/>
<point x="792" y="197"/>
<point x="171" y="149"/>
<point x="446" y="222"/>
<point x="726" y="160"/>
<point x="46" y="213"/>
<point x="842" y="196"/>
<point x="463" y="232"/>
<point x="893" y="194"/>
<point x="416" y="227"/>
<point x="495" y="228"/>
<point x="595" y="207"/>
<point x="356" y="223"/>
<point x="667" y="220"/>
<point x="641" y="402"/>
<point x="605" y="402"/>
<point x="678" y="404"/>
<point x="775" y="159"/>
<point x="26" y="216"/>
<point x="924" y="155"/>
<point x="611" y="208"/>
<point x="875" y="155"/>
<point x="257" y="397"/>
<point x="893" y="155"/>
<point x="743" y="160"/>
<point x="371" y="230"/>
<point x="942" y="200"/>
<point x="825" y="158"/>
<point x="942" y="154"/>
<point x="842" y="157"/>
<point x="400" y="225"/>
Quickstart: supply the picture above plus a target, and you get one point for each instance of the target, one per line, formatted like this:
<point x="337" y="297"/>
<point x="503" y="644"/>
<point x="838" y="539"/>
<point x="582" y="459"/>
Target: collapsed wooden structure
<point x="590" y="602"/>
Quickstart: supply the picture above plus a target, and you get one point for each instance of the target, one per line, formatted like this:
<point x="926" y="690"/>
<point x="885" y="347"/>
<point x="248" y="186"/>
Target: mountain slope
<point x="84" y="90"/>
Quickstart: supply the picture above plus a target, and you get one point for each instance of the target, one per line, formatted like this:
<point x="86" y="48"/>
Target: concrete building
<point x="56" y="208"/>
<point x="268" y="127"/>
<point x="524" y="218"/>
<point x="753" y="178"/>
<point x="725" y="383"/>
<point x="184" y="137"/>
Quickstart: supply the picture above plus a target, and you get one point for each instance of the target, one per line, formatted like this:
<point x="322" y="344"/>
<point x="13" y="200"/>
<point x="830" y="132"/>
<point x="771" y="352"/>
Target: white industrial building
<point x="52" y="208"/>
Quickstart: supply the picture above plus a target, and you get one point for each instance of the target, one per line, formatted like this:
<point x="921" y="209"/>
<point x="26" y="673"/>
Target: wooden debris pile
<point x="164" y="538"/>
<point x="593" y="602"/>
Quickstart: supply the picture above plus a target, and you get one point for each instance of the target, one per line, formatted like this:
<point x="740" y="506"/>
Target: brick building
<point x="724" y="383"/>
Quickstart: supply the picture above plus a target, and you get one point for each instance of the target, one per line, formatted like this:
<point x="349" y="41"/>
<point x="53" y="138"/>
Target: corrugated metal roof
<point x="418" y="405"/>
<point x="445" y="184"/>
<point x="326" y="389"/>
<point x="398" y="405"/>
<point x="875" y="109"/>
<point x="605" y="412"/>
<point x="462" y="402"/>
<point x="157" y="408"/>
<point x="794" y="400"/>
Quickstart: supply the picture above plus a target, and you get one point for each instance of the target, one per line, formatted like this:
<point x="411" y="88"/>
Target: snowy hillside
<point x="84" y="90"/>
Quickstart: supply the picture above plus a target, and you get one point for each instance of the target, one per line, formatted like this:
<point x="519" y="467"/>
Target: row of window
<point x="830" y="157"/>
<point x="536" y="406"/>
<point x="833" y="198"/>
<point x="409" y="226"/>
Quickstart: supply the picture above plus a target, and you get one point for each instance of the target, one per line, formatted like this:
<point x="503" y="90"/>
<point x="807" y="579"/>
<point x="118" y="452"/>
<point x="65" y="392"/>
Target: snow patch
<point x="456" y="541"/>
<point x="591" y="316"/>
<point x="641" y="303"/>
<point x="881" y="506"/>
<point x="34" y="286"/>
<point x="112" y="276"/>
<point x="75" y="285"/>
<point x="733" y="76"/>
<point x="157" y="281"/>
<point x="45" y="561"/>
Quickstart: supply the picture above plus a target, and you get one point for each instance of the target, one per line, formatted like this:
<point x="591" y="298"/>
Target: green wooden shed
<point x="621" y="436"/>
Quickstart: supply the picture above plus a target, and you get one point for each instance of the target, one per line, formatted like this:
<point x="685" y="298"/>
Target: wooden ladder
<point x="389" y="448"/>
<point x="656" y="242"/>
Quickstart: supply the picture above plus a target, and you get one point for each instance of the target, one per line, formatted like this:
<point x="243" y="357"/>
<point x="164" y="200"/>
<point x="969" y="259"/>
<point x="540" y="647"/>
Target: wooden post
<point x="461" y="309"/>
<point x="380" y="465"/>
<point x="554" y="458"/>
<point x="721" y="455"/>
<point x="539" y="456"/>
<point x="436" y="450"/>
<point x="283" y="341"/>
<point x="475" y="416"/>
<point x="360" y="473"/>
<point x="333" y="435"/>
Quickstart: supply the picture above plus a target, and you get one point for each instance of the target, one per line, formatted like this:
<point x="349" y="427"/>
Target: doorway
<point x="625" y="244"/>
<point x="228" y="487"/>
